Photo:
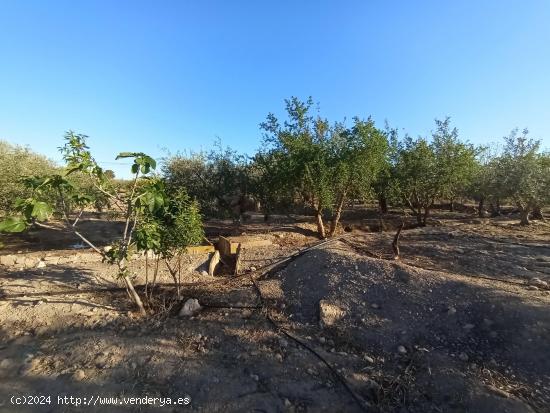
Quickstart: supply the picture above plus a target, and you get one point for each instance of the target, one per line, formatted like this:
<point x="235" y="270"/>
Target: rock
<point x="329" y="314"/>
<point x="41" y="264"/>
<point x="247" y="313"/>
<point x="537" y="282"/>
<point x="255" y="377"/>
<point x="463" y="356"/>
<point x="190" y="308"/>
<point x="31" y="262"/>
<point x="79" y="375"/>
<point x="369" y="359"/>
<point x="375" y="306"/>
<point x="401" y="350"/>
<point x="101" y="362"/>
<point x="451" y="311"/>
<point x="322" y="340"/>
<point x="204" y="273"/>
<point x="7" y="364"/>
<point x="287" y="403"/>
<point x="279" y="357"/>
<point x="468" y="326"/>
<point x="253" y="268"/>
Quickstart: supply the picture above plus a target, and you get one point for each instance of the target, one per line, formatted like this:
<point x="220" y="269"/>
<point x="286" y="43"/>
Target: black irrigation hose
<point x="361" y="403"/>
<point x="231" y="307"/>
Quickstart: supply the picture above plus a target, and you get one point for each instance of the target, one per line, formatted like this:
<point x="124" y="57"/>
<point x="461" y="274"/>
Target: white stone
<point x="329" y="314"/>
<point x="190" y="308"/>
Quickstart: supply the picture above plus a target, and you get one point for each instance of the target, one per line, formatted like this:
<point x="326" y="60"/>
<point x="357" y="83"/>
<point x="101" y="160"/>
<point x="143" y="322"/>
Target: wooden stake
<point x="238" y="260"/>
<point x="395" y="243"/>
<point x="214" y="261"/>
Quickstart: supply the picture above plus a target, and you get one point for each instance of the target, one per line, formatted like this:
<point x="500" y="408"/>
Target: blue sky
<point x="148" y="75"/>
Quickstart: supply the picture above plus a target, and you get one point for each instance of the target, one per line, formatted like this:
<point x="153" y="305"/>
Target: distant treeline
<point x="308" y="164"/>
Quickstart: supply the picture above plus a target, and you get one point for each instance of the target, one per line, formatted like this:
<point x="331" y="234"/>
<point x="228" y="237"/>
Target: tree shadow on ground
<point x="223" y="362"/>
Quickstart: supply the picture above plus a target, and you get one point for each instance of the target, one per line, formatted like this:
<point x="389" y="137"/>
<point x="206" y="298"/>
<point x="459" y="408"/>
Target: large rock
<point x="190" y="308"/>
<point x="329" y="313"/>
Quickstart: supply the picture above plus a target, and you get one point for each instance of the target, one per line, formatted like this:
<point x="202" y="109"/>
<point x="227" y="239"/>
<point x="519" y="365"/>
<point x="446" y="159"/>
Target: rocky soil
<point x="460" y="323"/>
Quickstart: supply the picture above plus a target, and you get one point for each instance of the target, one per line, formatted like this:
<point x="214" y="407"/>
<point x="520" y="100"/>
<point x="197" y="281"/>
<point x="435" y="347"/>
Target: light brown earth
<point x="461" y="323"/>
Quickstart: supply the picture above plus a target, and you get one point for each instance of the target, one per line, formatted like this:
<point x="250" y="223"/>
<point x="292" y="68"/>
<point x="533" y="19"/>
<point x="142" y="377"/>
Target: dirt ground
<point x="461" y="323"/>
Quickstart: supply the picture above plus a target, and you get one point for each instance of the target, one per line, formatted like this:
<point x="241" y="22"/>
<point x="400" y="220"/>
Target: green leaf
<point x="126" y="155"/>
<point x="13" y="224"/>
<point x="41" y="211"/>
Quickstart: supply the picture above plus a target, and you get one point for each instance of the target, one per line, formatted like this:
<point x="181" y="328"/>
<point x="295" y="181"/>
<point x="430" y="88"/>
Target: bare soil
<point x="461" y="323"/>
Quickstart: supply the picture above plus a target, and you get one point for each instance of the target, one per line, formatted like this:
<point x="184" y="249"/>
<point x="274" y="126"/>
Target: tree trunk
<point x="320" y="225"/>
<point x="337" y="215"/>
<point x="495" y="208"/>
<point x="383" y="204"/>
<point x="480" y="207"/>
<point x="524" y="214"/>
<point x="395" y="243"/>
<point x="452" y="205"/>
<point x="134" y="294"/>
<point x="419" y="218"/>
<point x="425" y="216"/>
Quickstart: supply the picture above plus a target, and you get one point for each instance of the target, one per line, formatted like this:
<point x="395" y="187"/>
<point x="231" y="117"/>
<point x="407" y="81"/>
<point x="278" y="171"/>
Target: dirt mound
<point x="455" y="338"/>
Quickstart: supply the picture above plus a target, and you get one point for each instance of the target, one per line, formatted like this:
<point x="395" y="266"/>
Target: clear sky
<point x="148" y="75"/>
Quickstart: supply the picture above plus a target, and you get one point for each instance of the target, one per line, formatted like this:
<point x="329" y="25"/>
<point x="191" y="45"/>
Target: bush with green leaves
<point x="17" y="162"/>
<point x="322" y="164"/>
<point x="159" y="222"/>
<point x="217" y="179"/>
<point x="523" y="174"/>
<point x="455" y="161"/>
<point x="416" y="177"/>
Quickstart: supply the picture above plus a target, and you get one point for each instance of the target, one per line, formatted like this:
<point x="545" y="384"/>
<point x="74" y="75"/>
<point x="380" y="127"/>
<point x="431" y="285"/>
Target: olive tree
<point x="416" y="177"/>
<point x="455" y="161"/>
<point x="17" y="162"/>
<point x="269" y="184"/>
<point x="216" y="179"/>
<point x="524" y="173"/>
